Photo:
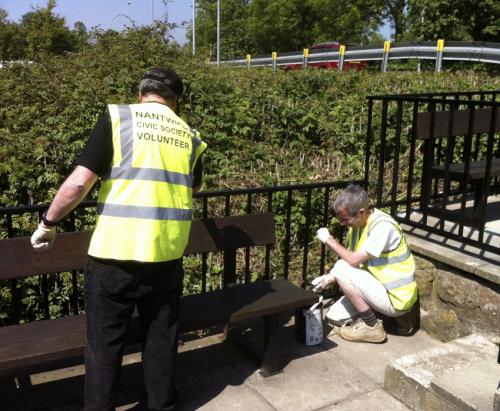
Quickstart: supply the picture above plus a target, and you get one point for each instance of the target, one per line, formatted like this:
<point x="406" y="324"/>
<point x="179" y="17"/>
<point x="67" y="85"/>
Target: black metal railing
<point x="299" y="210"/>
<point x="435" y="158"/>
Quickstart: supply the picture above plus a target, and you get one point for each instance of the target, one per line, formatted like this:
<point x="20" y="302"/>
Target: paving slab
<point x="372" y="359"/>
<point x="312" y="379"/>
<point x="455" y="386"/>
<point x="377" y="400"/>
<point x="222" y="388"/>
<point x="462" y="374"/>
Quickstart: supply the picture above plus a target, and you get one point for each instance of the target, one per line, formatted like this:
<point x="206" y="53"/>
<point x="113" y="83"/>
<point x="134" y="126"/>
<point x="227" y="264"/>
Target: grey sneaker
<point x="359" y="331"/>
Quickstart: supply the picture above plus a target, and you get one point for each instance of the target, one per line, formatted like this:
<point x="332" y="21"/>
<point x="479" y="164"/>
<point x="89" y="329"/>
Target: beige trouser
<point x="372" y="291"/>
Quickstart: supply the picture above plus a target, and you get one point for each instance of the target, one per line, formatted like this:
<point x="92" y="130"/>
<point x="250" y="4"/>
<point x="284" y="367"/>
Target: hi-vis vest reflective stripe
<point x="394" y="269"/>
<point x="144" y="206"/>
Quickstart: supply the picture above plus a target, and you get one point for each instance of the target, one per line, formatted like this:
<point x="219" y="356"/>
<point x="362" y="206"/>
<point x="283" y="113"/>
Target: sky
<point x="109" y="14"/>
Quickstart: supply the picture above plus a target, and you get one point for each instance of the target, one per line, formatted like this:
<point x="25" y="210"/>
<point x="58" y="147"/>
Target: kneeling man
<point x="375" y="270"/>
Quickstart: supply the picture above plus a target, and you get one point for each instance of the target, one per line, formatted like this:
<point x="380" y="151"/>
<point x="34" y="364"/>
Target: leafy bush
<point x="262" y="127"/>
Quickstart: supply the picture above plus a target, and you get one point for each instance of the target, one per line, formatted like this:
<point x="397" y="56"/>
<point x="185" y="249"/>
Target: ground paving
<point x="218" y="375"/>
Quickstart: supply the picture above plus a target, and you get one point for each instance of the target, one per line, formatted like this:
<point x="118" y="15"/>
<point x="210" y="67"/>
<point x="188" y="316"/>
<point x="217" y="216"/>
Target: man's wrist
<point x="47" y="222"/>
<point x="332" y="242"/>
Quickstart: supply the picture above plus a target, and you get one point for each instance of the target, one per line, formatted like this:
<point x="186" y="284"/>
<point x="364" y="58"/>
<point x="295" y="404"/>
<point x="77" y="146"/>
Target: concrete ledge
<point x="462" y="374"/>
<point x="454" y="258"/>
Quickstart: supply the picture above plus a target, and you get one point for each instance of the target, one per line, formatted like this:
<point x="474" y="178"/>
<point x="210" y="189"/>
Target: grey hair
<point x="149" y="86"/>
<point x="353" y="198"/>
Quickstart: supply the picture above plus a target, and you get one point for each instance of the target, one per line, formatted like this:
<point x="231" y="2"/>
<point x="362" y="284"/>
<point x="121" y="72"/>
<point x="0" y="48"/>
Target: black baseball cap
<point x="166" y="76"/>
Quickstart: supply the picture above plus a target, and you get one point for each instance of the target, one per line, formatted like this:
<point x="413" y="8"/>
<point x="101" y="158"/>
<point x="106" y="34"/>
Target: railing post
<point x="439" y="55"/>
<point x="341" y="57"/>
<point x="385" y="57"/>
<point x="274" y="57"/>
<point x="249" y="60"/>
<point x="306" y="58"/>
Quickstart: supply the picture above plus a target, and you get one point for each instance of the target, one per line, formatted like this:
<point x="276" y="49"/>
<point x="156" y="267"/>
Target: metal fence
<point x="434" y="159"/>
<point x="299" y="210"/>
<point x="481" y="52"/>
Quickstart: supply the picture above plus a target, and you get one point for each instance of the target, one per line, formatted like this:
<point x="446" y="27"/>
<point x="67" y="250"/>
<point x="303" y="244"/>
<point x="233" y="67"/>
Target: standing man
<point x="375" y="270"/>
<point x="147" y="158"/>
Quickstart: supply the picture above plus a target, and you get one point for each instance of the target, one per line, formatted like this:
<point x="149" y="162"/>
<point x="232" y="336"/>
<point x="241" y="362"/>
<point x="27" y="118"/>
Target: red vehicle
<point x="330" y="65"/>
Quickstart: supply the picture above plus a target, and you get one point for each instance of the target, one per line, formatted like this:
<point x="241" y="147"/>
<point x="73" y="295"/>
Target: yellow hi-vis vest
<point x="145" y="202"/>
<point x="394" y="269"/>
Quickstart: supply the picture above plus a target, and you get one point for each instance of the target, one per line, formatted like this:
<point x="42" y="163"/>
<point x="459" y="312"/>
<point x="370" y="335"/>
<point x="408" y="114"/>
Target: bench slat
<point x="482" y="123"/>
<point x="477" y="169"/>
<point x="243" y="302"/>
<point x="230" y="233"/>
<point x="69" y="251"/>
<point x="19" y="259"/>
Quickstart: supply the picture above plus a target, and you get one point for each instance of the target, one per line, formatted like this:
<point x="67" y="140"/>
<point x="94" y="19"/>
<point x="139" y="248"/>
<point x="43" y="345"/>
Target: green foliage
<point x="40" y="32"/>
<point x="262" y="128"/>
<point x="454" y="20"/>
<point x="262" y="26"/>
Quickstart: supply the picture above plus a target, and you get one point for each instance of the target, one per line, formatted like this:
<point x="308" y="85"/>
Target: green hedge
<point x="263" y="128"/>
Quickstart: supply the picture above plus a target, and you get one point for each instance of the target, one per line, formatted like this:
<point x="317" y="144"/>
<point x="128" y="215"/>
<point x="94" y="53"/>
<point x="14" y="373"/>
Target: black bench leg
<point x="271" y="361"/>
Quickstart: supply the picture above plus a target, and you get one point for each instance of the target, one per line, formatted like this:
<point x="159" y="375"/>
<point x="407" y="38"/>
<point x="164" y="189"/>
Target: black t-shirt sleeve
<point x="198" y="173"/>
<point x="97" y="154"/>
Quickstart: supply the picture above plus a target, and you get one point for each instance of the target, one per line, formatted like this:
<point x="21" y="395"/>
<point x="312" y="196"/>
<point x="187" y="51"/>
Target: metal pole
<point x="129" y="2"/>
<point x="439" y="55"/>
<point x="385" y="57"/>
<point x="218" y="32"/>
<point x="194" y="25"/>
<point x="341" y="57"/>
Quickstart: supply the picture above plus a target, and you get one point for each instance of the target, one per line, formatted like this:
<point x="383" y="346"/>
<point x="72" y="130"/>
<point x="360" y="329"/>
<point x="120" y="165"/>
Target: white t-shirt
<point x="384" y="237"/>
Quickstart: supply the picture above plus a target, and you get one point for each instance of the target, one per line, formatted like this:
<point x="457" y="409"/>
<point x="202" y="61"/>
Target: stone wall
<point x="454" y="302"/>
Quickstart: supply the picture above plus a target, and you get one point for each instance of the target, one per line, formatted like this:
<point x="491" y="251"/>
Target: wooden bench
<point x="44" y="344"/>
<point x="450" y="125"/>
<point x="475" y="176"/>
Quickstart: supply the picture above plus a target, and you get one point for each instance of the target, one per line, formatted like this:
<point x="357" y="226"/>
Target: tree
<point x="45" y="31"/>
<point x="234" y="35"/>
<point x="349" y="21"/>
<point x="395" y="11"/>
<point x="477" y="20"/>
<point x="262" y="26"/>
<point x="12" y="44"/>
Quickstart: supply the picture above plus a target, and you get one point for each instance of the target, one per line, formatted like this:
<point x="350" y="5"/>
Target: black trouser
<point x="112" y="290"/>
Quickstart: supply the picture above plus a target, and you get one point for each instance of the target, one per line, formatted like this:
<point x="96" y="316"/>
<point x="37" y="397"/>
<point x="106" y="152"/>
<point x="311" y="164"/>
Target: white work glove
<point x="323" y="234"/>
<point x="43" y="237"/>
<point x="321" y="282"/>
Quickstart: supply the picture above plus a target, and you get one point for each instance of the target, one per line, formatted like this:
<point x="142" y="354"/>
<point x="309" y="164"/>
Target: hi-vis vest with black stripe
<point x="145" y="202"/>
<point x="394" y="269"/>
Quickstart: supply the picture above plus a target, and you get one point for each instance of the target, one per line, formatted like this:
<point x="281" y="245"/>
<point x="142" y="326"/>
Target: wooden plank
<point x="44" y="350"/>
<point x="31" y="331"/>
<point x="477" y="170"/>
<point x="230" y="233"/>
<point x="69" y="251"/>
<point x="482" y="123"/>
<point x="19" y="259"/>
<point x="242" y="302"/>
